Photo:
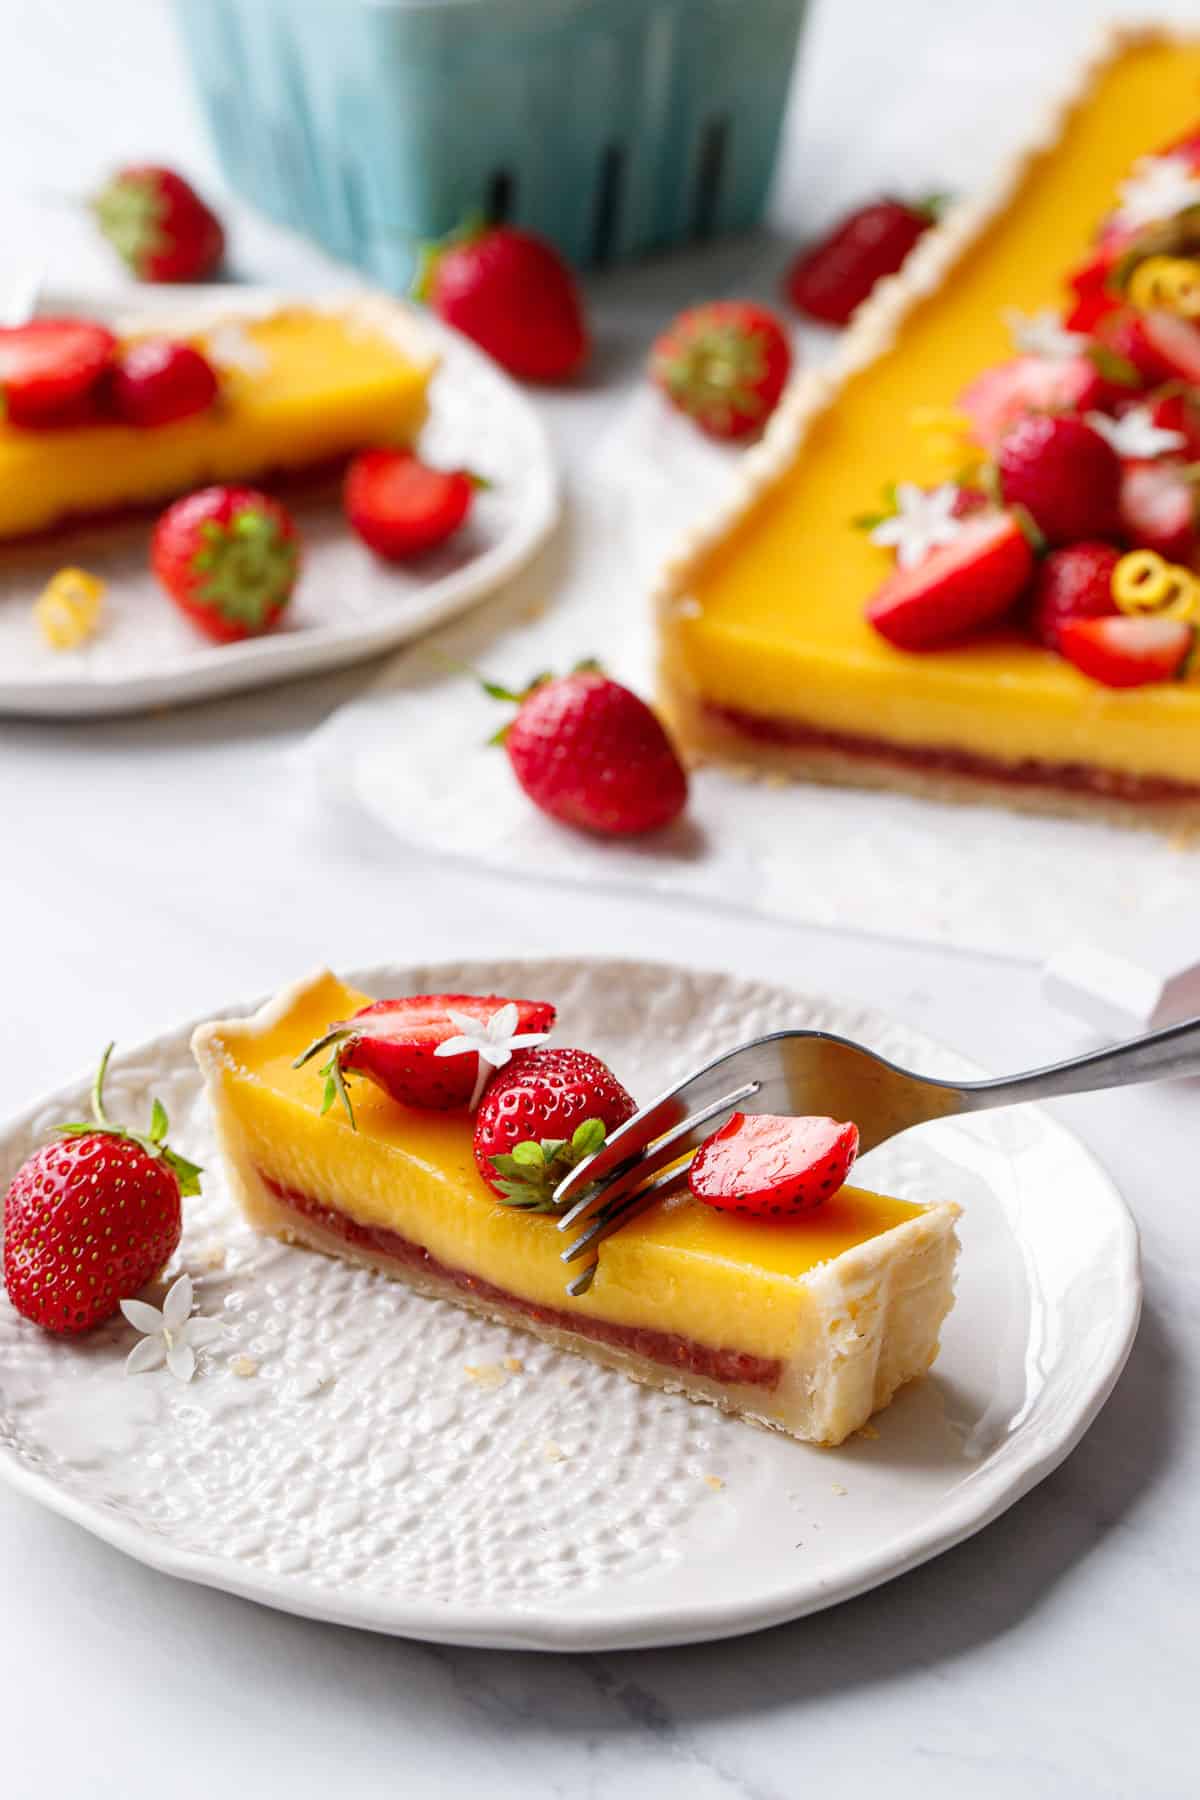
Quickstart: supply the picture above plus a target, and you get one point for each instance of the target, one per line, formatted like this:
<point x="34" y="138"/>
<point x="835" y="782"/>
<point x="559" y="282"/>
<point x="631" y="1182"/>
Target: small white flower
<point x="923" y="519"/>
<point x="231" y="347"/>
<point x="1044" y="334"/>
<point x="1159" y="187"/>
<point x="1135" y="434"/>
<point x="171" y="1336"/>
<point x="492" y="1040"/>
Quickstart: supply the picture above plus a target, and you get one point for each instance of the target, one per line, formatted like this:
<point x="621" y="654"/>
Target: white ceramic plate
<point x="348" y="605"/>
<point x="361" y="1474"/>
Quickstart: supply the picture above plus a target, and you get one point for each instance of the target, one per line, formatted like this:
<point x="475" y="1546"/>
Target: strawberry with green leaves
<point x="158" y="224"/>
<point x="92" y="1217"/>
<point x="592" y="754"/>
<point x="725" y="365"/>
<point x="540" y="1117"/>
<point x="229" y="557"/>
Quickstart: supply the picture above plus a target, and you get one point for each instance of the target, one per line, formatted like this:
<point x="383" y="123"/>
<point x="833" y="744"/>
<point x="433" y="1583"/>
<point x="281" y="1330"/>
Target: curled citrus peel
<point x="1143" y="582"/>
<point x="69" y="607"/>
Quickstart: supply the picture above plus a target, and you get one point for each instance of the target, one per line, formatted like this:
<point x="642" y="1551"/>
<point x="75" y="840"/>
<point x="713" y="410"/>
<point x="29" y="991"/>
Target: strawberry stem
<point x="153" y="1142"/>
<point x="532" y="1172"/>
<point x="337" y="1037"/>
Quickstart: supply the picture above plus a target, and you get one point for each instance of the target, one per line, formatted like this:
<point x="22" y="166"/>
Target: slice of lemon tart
<point x="807" y="1325"/>
<point x="300" y="386"/>
<point x="1072" y="286"/>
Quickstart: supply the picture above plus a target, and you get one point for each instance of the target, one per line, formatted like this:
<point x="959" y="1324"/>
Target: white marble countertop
<point x="155" y="867"/>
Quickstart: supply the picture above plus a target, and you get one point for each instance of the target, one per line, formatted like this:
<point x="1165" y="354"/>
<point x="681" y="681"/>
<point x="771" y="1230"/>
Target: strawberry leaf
<point x="528" y="1175"/>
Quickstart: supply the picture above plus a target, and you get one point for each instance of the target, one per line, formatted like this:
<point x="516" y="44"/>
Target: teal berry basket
<point x="612" y="126"/>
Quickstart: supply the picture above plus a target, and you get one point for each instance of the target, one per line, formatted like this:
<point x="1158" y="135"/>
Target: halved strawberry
<point x="50" y="369"/>
<point x="1000" y="396"/>
<point x="1158" y="508"/>
<point x="771" y="1167"/>
<point x="1176" y="344"/>
<point x="1072" y="582"/>
<point x="1127" y="652"/>
<point x="400" y="506"/>
<point x="428" y="1050"/>
<point x="962" y="585"/>
<point x="1178" y="409"/>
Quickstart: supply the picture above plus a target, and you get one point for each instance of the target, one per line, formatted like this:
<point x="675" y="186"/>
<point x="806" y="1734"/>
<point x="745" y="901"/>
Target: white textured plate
<point x="348" y="605"/>
<point x="361" y="1474"/>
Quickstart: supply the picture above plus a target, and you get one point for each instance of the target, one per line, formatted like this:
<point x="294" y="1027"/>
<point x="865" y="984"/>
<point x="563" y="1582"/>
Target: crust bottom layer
<point x="810" y="753"/>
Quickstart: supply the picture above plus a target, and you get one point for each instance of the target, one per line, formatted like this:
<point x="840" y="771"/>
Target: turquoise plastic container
<point x="612" y="126"/>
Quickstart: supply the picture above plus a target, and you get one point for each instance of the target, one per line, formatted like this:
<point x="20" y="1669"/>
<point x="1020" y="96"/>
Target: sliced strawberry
<point x="398" y="1045"/>
<point x="1158" y="508"/>
<point x="1178" y="409"/>
<point x="964" y="584"/>
<point x="401" y="507"/>
<point x="1000" y="396"/>
<point x="1074" y="582"/>
<point x="1127" y="652"/>
<point x="50" y="369"/>
<point x="770" y="1167"/>
<point x="1122" y="333"/>
<point x="1176" y="344"/>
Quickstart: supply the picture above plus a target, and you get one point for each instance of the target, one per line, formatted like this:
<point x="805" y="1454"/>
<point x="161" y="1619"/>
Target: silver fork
<point x="815" y="1072"/>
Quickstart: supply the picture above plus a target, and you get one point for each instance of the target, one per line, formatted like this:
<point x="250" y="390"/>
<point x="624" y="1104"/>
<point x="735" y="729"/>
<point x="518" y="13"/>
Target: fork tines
<point x="655" y="1165"/>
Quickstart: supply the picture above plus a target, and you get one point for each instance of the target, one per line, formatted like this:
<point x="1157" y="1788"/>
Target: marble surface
<point x="151" y="867"/>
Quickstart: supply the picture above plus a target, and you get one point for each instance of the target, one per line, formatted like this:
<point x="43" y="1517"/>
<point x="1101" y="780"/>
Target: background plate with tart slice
<point x="348" y="605"/>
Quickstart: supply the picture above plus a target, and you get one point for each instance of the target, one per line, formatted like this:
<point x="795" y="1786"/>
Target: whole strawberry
<point x="229" y="558"/>
<point x="513" y="294"/>
<point x="1064" y="474"/>
<point x="1074" y="582"/>
<point x="540" y="1117"/>
<point x="157" y="222"/>
<point x="725" y="365"/>
<point x="432" y="1051"/>
<point x="592" y="754"/>
<point x="833" y="277"/>
<point x="90" y="1219"/>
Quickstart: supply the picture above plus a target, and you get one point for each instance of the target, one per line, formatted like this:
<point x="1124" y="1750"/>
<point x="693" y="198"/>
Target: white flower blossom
<point x="923" y="519"/>
<point x="230" y="346"/>
<point x="1159" y="188"/>
<point x="492" y="1040"/>
<point x="1044" y="334"/>
<point x="1135" y="434"/>
<point x="169" y="1336"/>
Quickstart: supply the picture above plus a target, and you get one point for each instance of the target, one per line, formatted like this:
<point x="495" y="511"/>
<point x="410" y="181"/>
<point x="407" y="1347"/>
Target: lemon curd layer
<point x="302" y="386"/>
<point x="768" y="623"/>
<point x="680" y="1268"/>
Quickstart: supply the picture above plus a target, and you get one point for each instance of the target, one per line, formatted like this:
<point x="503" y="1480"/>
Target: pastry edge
<point x="873" y="1314"/>
<point x="703" y="740"/>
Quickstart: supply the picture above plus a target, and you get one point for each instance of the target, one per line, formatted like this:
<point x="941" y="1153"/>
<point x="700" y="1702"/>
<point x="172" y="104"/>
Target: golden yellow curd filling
<point x="680" y="1267"/>
<point x="309" y="386"/>
<point x="777" y="628"/>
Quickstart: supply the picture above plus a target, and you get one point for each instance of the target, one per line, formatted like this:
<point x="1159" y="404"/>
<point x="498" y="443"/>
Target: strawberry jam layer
<point x="730" y="1367"/>
<point x="1076" y="778"/>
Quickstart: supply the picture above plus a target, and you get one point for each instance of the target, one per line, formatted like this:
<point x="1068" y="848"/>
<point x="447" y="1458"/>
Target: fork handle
<point x="1161" y="1056"/>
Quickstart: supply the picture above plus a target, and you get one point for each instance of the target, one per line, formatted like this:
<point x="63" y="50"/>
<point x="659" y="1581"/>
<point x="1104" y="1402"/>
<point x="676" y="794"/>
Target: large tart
<point x="767" y="659"/>
<point x="301" y="386"/>
<point x="808" y="1326"/>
